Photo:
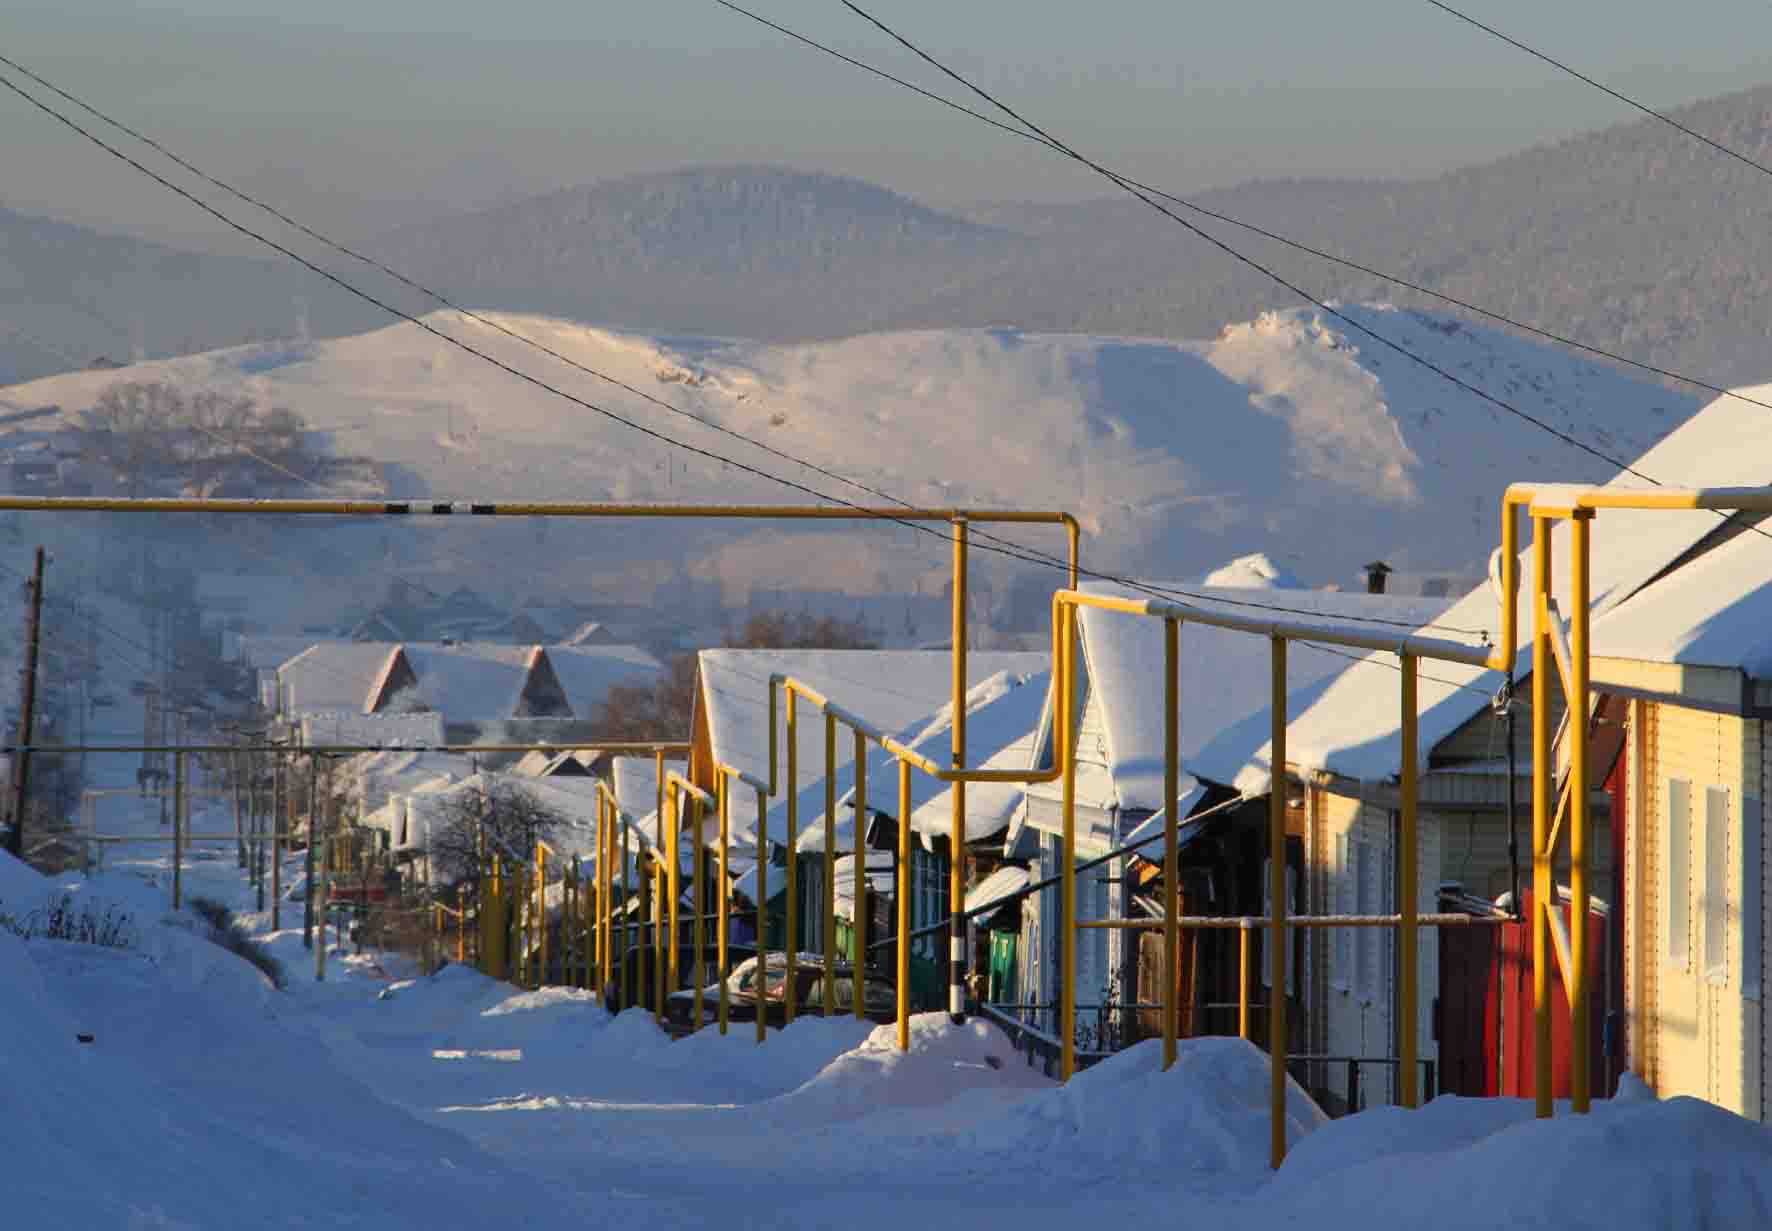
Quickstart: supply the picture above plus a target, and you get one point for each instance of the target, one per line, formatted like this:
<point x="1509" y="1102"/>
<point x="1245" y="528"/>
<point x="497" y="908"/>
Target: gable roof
<point x="1349" y="724"/>
<point x="1002" y="720"/>
<point x="890" y="688"/>
<point x="588" y="672"/>
<point x="1713" y="612"/>
<point x="1222" y="673"/>
<point x="332" y="676"/>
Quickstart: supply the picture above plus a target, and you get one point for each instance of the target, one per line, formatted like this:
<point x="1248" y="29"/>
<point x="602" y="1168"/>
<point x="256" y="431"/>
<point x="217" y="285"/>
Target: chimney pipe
<point x="1375" y="575"/>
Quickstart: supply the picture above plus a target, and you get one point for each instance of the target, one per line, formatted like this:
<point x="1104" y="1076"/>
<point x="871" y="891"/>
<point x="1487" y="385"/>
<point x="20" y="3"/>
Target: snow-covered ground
<point x="1290" y="434"/>
<point x="206" y="1099"/>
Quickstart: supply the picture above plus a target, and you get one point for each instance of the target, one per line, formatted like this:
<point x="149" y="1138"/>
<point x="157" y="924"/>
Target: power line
<point x="1322" y="305"/>
<point x="1601" y="86"/>
<point x="1004" y="547"/>
<point x="1397" y="280"/>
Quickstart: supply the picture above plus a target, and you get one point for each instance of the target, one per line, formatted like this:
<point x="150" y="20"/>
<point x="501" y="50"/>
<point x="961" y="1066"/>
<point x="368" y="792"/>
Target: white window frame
<point x="1676" y="896"/>
<point x="1715" y="904"/>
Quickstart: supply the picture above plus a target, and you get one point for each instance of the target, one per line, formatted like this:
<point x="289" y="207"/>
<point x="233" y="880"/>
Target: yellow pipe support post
<point x="1243" y="977"/>
<point x="1067" y="872"/>
<point x="1543" y="664"/>
<point x="1580" y="1069"/>
<point x="699" y="897"/>
<point x="903" y="907"/>
<point x="830" y="865"/>
<point x="610" y="905"/>
<point x="760" y="978"/>
<point x="1408" y="903"/>
<point x="461" y="925"/>
<point x="791" y="942"/>
<point x="659" y="891"/>
<point x="1171" y="802"/>
<point x="674" y="890"/>
<point x="859" y="931"/>
<point x="541" y="914"/>
<point x="724" y="788"/>
<point x="1276" y="1039"/>
<point x="957" y="790"/>
<point x="587" y="900"/>
<point x="623" y="934"/>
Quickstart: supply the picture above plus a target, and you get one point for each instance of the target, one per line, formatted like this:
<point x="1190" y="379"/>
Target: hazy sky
<point x="357" y="113"/>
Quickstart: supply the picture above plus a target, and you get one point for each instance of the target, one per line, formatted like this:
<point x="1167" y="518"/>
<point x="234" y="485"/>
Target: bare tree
<point x="132" y="428"/>
<point x="509" y="817"/>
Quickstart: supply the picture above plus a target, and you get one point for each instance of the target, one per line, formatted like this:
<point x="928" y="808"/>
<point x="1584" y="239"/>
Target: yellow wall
<point x="1696" y="1035"/>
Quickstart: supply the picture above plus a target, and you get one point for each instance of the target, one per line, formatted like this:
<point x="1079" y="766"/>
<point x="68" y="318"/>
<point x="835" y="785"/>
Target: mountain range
<point x="1634" y="238"/>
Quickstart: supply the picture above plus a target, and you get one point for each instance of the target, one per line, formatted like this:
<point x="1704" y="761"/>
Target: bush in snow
<point x="226" y="931"/>
<point x="61" y="919"/>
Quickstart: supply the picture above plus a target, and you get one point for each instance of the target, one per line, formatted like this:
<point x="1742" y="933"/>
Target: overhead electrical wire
<point x="1397" y="280"/>
<point x="1601" y="86"/>
<point x="1003" y="546"/>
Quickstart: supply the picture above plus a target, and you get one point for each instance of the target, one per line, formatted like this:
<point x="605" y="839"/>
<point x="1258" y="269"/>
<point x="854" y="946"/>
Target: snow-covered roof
<point x="262" y="651"/>
<point x="1002" y="720"/>
<point x="383" y="730"/>
<point x="588" y="672"/>
<point x="333" y="676"/>
<point x="1223" y="674"/>
<point x="1713" y="612"/>
<point x="1349" y="725"/>
<point x="1005" y="882"/>
<point x="890" y="688"/>
<point x="469" y="680"/>
<point x="635" y="780"/>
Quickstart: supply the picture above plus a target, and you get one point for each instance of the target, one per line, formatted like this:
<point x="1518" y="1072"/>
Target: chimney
<point x="1376" y="572"/>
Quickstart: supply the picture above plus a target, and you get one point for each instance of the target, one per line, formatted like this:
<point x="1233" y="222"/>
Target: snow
<point x="1176" y="455"/>
<point x="1713" y="612"/>
<point x="1256" y="571"/>
<point x="1004" y="883"/>
<point x="635" y="780"/>
<point x="1223" y="674"/>
<point x="385" y="1098"/>
<point x="899" y="691"/>
<point x="380" y="730"/>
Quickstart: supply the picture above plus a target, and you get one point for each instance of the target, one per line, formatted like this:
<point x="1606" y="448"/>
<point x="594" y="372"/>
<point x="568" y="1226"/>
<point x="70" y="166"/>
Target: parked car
<point x="880" y="1001"/>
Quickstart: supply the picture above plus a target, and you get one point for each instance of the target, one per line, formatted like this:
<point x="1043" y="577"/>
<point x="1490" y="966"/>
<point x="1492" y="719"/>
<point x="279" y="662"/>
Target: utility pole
<point x="21" y="761"/>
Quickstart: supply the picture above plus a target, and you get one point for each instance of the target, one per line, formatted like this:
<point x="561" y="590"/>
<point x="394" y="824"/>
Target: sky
<point x="358" y="116"/>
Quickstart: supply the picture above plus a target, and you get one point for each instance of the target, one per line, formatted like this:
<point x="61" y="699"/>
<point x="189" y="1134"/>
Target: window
<point x="1343" y="975"/>
<point x="1678" y="889"/>
<point x="1267" y="909"/>
<point x="1753" y="887"/>
<point x="1716" y="884"/>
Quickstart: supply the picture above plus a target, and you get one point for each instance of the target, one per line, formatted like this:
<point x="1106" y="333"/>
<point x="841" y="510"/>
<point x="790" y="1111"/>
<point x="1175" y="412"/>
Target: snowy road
<point x="208" y="1100"/>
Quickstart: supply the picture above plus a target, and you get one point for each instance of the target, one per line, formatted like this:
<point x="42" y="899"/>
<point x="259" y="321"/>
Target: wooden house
<point x="904" y="692"/>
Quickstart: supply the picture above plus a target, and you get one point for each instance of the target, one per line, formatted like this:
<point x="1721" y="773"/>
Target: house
<point x="1345" y="753"/>
<point x="1691" y="659"/>
<point x="1223" y="680"/>
<point x="521" y="694"/>
<point x="897" y="690"/>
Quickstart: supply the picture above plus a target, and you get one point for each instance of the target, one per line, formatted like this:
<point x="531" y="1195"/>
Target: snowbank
<point x="944" y="1062"/>
<point x="1207" y="1117"/>
<point x="1635" y="1162"/>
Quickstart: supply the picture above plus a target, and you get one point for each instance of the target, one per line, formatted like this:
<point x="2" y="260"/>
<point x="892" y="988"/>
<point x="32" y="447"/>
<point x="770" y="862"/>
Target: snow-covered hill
<point x="1290" y="435"/>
